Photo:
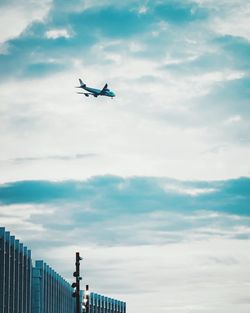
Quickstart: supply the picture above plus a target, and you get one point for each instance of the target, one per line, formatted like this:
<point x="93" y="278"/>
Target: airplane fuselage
<point x="98" y="92"/>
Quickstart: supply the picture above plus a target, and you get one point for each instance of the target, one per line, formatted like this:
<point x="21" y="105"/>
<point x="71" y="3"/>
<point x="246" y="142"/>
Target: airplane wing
<point x="87" y="94"/>
<point x="103" y="89"/>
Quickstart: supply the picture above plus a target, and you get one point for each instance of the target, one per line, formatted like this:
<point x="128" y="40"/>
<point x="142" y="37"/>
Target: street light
<point x="76" y="284"/>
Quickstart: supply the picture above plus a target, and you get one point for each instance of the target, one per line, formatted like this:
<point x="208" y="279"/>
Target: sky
<point x="153" y="186"/>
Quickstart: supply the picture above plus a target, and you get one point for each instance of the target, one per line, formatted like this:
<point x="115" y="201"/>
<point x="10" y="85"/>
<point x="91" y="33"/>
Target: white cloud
<point x="4" y="48"/>
<point x="18" y="218"/>
<point x="239" y="16"/>
<point x="57" y="33"/>
<point x="228" y="17"/>
<point x="131" y="135"/>
<point x="157" y="125"/>
<point x="235" y="119"/>
<point x="136" y="47"/>
<point x="143" y="9"/>
<point x="188" y="190"/>
<point x="17" y="15"/>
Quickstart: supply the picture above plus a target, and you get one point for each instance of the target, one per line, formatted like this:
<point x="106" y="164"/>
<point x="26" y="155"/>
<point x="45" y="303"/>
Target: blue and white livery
<point x="95" y="92"/>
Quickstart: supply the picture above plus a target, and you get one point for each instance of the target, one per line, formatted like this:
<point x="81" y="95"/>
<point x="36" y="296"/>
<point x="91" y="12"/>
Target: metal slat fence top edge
<point x="7" y="236"/>
<point x="39" y="264"/>
<point x="2" y="231"/>
<point x="29" y="253"/>
<point x="17" y="244"/>
<point x="104" y="303"/>
<point x="52" y="274"/>
<point x="12" y="242"/>
<point x="12" y="239"/>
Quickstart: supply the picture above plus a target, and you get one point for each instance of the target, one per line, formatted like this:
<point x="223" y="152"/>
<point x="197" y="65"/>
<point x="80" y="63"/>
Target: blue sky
<point x="152" y="186"/>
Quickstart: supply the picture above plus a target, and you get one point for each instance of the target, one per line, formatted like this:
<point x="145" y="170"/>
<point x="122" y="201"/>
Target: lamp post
<point x="76" y="284"/>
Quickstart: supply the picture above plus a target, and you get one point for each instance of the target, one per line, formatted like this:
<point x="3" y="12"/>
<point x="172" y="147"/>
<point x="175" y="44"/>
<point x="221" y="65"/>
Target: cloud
<point x="57" y="33"/>
<point x="112" y="211"/>
<point x="134" y="195"/>
<point x="19" y="216"/>
<point x="179" y="13"/>
<point x="137" y="233"/>
<point x="237" y="12"/>
<point x="105" y="21"/>
<point x="108" y="20"/>
<point x="17" y="15"/>
<point x="189" y="191"/>
<point x="237" y="48"/>
<point x="53" y="157"/>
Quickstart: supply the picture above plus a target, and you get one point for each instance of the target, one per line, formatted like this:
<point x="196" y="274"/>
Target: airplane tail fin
<point x="82" y="83"/>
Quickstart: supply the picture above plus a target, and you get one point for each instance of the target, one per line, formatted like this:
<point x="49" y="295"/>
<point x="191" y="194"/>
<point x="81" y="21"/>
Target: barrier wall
<point x="51" y="293"/>
<point x="102" y="304"/>
<point x="15" y="275"/>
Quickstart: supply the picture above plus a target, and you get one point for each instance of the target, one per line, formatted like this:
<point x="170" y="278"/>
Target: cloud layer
<point x="141" y="237"/>
<point x="180" y="71"/>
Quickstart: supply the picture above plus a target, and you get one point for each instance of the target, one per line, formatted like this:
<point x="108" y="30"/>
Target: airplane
<point x="95" y="92"/>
